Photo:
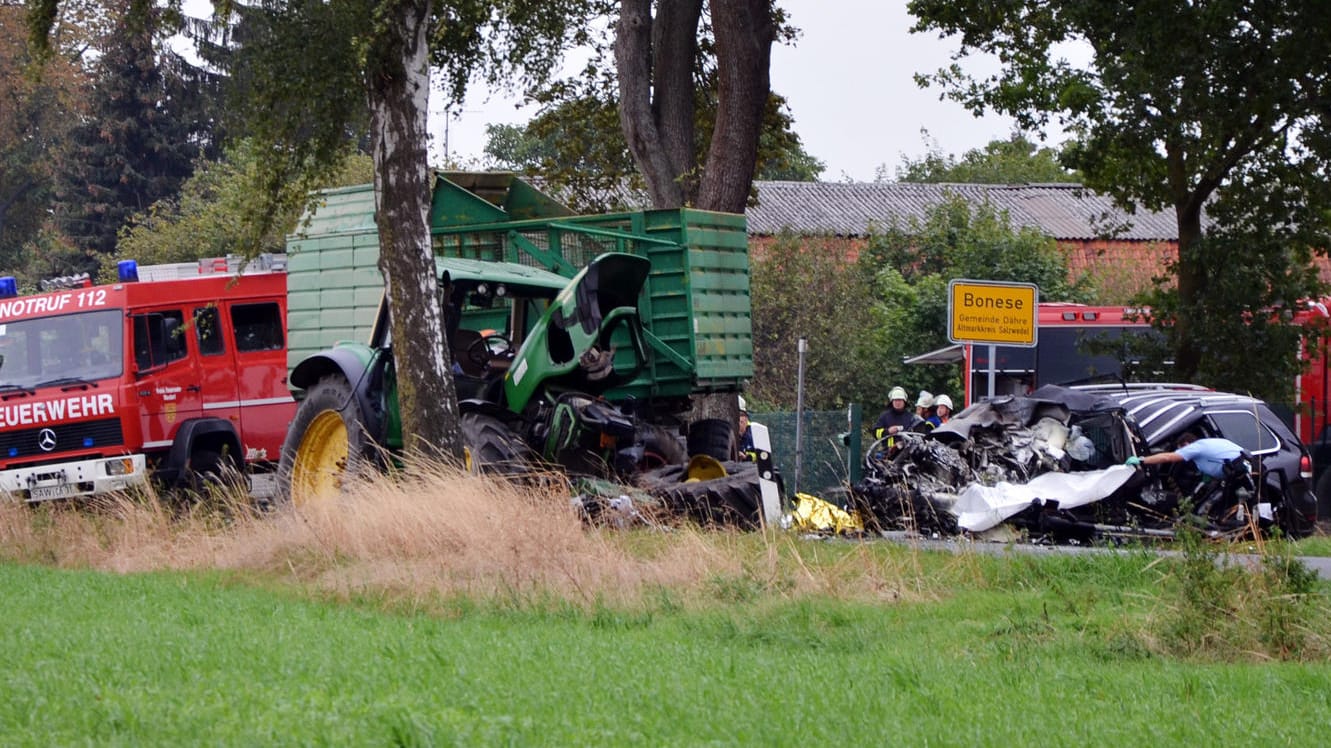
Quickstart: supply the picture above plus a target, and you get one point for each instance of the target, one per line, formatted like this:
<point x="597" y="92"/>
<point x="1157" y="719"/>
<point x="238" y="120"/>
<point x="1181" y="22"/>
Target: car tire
<point x="1293" y="524"/>
<point x="1323" y="493"/>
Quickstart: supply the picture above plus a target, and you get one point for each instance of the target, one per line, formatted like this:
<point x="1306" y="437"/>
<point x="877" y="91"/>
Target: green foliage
<point x="1218" y="608"/>
<point x="1017" y="160"/>
<point x="1244" y="328"/>
<point x="510" y="147"/>
<point x="960" y="240"/>
<point x="863" y="317"/>
<point x="576" y="142"/>
<point x="781" y="154"/>
<point x="50" y="255"/>
<point x="302" y="111"/>
<point x="36" y="114"/>
<point x="805" y="287"/>
<point x="207" y="218"/>
<point x="997" y="650"/>
<point x="1182" y="105"/>
<point x="132" y="151"/>
<point x="911" y="266"/>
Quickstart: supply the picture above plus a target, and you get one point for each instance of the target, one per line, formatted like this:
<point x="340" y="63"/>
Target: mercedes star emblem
<point x="46" y="440"/>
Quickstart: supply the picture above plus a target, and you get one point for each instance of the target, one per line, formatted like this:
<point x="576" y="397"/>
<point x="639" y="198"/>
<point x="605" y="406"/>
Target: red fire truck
<point x="1061" y="354"/>
<point x="176" y="372"/>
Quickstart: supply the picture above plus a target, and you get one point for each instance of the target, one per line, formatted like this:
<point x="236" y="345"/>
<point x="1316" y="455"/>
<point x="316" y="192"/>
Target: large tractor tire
<point x="492" y="448"/>
<point x="661" y="447"/>
<point x="326" y="445"/>
<point x="714" y="437"/>
<point x="733" y="500"/>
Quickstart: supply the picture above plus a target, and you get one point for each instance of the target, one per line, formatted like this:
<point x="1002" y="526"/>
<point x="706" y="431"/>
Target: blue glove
<point x="1133" y="461"/>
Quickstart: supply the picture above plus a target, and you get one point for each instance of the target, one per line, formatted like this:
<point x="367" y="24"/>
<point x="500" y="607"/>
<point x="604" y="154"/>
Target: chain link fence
<point x="824" y="465"/>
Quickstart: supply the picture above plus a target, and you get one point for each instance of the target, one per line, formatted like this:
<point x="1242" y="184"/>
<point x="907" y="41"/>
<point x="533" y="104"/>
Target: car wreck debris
<point x="1051" y="465"/>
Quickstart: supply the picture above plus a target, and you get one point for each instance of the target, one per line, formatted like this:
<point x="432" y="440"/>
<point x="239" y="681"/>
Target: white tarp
<point x="981" y="507"/>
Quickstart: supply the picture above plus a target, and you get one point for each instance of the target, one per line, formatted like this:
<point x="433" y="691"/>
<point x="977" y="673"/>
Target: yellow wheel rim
<point x="320" y="463"/>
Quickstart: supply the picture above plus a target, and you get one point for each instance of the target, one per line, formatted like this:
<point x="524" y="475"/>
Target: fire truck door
<point x="167" y="377"/>
<point x="217" y="366"/>
<point x="266" y="405"/>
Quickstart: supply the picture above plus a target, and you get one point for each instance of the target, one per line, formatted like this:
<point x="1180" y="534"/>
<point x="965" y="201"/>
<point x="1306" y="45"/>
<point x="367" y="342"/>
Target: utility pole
<point x="449" y="114"/>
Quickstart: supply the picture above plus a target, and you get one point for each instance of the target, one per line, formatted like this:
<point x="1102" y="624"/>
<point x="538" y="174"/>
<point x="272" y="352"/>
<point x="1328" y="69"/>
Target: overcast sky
<point x="849" y="83"/>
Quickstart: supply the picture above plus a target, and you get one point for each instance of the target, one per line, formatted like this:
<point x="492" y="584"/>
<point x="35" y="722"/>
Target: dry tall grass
<point x="431" y="533"/>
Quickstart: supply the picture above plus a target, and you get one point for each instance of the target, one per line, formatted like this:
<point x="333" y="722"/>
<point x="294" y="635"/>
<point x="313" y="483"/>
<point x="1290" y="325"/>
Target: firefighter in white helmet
<point x="746" y="450"/>
<point x="924" y="404"/>
<point x="942" y="411"/>
<point x="896" y="418"/>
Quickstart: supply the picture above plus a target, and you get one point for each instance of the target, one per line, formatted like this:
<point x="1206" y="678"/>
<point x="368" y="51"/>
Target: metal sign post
<point x="803" y="348"/>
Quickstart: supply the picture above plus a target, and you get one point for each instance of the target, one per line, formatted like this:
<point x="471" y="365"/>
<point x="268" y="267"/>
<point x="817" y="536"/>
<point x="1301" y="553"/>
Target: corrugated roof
<point x="1063" y="211"/>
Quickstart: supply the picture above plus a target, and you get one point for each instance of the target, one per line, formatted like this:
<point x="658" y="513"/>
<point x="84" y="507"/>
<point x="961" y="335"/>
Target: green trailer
<point x="694" y="306"/>
<point x="577" y="340"/>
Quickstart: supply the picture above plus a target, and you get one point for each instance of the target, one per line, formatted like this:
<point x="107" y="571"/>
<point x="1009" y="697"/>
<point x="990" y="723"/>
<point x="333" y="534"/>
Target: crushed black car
<point x="1050" y="466"/>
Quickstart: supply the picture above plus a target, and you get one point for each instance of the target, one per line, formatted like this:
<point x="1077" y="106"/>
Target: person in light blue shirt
<point x="1209" y="455"/>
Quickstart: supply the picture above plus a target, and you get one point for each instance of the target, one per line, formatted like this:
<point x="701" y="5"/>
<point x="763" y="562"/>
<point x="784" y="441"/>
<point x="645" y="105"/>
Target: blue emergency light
<point x="129" y="271"/>
<point x="8" y="287"/>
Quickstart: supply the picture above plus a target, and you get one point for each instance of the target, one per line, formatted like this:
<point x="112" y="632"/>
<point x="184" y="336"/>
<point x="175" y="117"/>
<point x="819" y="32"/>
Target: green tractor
<point x="590" y="373"/>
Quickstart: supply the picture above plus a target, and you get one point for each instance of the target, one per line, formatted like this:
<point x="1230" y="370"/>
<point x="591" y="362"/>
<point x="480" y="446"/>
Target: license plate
<point x="42" y="493"/>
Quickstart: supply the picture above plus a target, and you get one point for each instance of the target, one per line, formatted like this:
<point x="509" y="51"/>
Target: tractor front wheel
<point x="326" y="445"/>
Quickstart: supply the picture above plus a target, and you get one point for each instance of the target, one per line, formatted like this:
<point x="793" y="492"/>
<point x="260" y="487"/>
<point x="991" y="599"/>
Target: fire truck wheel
<point x="325" y="446"/>
<point x="213" y="475"/>
<point x="491" y="447"/>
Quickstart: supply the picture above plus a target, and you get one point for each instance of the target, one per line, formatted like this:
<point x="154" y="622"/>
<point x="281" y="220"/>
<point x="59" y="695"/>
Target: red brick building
<point x="1122" y="251"/>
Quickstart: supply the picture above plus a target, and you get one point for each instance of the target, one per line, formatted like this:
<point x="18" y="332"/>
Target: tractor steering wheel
<point x="485" y="348"/>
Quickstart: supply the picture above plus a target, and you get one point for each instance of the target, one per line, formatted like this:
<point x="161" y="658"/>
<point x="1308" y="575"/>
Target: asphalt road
<point x="1319" y="564"/>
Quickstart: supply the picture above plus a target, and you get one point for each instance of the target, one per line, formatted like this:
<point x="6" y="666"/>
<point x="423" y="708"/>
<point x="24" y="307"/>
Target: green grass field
<point x="1040" y="651"/>
<point x="442" y="609"/>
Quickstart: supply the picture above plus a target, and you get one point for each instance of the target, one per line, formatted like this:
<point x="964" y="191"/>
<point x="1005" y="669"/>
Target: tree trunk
<point x="744" y="32"/>
<point x="398" y="81"/>
<point x="654" y="59"/>
<point x="654" y="62"/>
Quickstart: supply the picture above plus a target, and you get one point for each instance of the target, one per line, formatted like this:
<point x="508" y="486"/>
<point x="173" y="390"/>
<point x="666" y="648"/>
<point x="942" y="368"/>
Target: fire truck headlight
<point x="124" y="466"/>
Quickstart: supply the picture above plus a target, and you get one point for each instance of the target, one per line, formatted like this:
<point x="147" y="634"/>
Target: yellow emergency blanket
<point x="812" y="514"/>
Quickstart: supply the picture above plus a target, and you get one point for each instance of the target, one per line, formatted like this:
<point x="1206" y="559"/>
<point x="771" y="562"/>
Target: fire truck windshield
<point x="84" y="346"/>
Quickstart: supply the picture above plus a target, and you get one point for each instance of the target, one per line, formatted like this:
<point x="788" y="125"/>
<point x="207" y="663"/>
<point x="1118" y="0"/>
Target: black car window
<point x="1242" y="428"/>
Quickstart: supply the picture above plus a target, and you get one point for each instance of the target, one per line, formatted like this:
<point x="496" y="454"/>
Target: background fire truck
<point x="177" y="372"/>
